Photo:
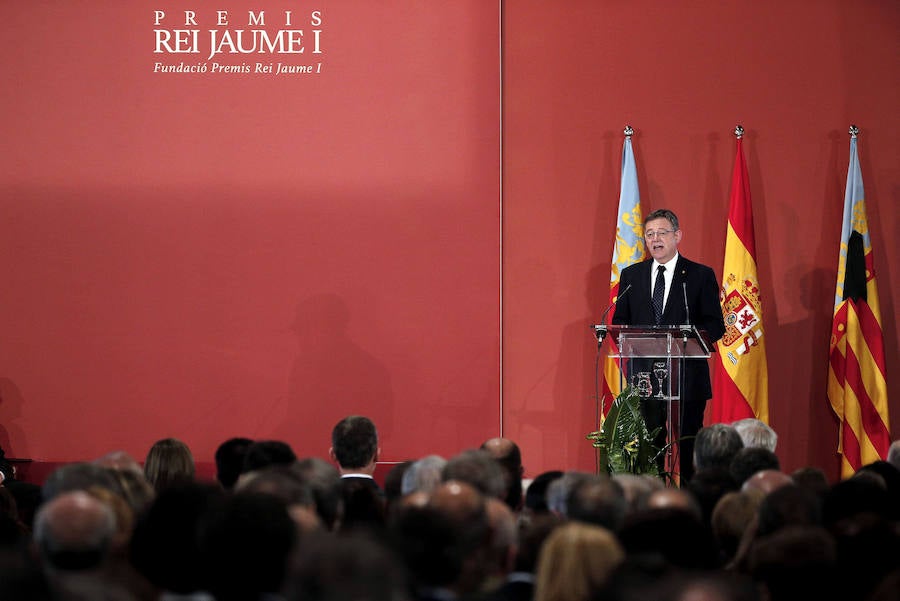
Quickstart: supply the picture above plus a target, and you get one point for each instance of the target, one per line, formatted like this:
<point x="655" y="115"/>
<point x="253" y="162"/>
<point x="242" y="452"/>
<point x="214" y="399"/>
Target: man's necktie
<point x="659" y="291"/>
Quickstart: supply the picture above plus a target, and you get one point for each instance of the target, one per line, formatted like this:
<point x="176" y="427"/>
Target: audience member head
<point x="423" y="475"/>
<point x="444" y="543"/>
<point x="856" y="495"/>
<point x="264" y="453"/>
<point x="730" y="519"/>
<point x="393" y="482"/>
<point x="766" y="481"/>
<point x="325" y="482"/>
<point x="559" y="489"/>
<point x="478" y="468"/>
<point x="74" y="531"/>
<point x="124" y="517"/>
<point x="536" y="493"/>
<point x="533" y="531"/>
<point x="503" y="540"/>
<point x="119" y="460"/>
<point x="675" y="498"/>
<point x="868" y="549"/>
<point x="893" y="455"/>
<point x="709" y="586"/>
<point x="280" y="481"/>
<point x="576" y="562"/>
<point x="891" y="477"/>
<point x="417" y="498"/>
<point x="351" y="566"/>
<point x="716" y="446"/>
<point x="812" y="479"/>
<point x="247" y="546"/>
<point x="597" y="500"/>
<point x="135" y="489"/>
<point x="165" y="545"/>
<point x="756" y="433"/>
<point x="354" y="444"/>
<point x="788" y="506"/>
<point x="708" y="486"/>
<point x="77" y="476"/>
<point x="169" y="462"/>
<point x="637" y="487"/>
<point x="466" y="510"/>
<point x="795" y="563"/>
<point x="750" y="460"/>
<point x="672" y="534"/>
<point x="230" y="460"/>
<point x="427" y="541"/>
<point x="508" y="455"/>
<point x="642" y="576"/>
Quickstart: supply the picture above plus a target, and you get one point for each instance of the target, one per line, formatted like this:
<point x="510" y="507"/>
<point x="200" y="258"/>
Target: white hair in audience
<point x="756" y="433"/>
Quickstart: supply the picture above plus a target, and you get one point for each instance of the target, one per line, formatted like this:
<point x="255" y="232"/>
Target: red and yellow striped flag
<point x="628" y="249"/>
<point x="857" y="389"/>
<point x="741" y="386"/>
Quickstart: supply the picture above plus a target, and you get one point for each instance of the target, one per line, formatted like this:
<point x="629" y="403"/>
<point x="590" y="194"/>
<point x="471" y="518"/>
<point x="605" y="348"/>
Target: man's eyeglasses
<point x="657" y="234"/>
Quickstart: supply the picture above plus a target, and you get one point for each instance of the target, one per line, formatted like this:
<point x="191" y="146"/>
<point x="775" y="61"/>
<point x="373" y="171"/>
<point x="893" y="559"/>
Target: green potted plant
<point x="625" y="444"/>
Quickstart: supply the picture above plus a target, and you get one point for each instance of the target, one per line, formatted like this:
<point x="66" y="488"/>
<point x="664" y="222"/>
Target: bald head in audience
<point x="674" y="498"/>
<point x="465" y="508"/>
<point x="508" y="455"/>
<point x="119" y="460"/>
<point x="74" y="531"/>
<point x="457" y="500"/>
<point x="766" y="481"/>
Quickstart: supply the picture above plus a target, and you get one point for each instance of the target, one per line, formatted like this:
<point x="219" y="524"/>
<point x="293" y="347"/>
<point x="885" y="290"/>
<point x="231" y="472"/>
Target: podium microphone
<point x="601" y="329"/>
<point x="687" y="312"/>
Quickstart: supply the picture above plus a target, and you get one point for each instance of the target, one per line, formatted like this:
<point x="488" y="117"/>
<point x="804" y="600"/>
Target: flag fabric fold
<point x="857" y="390"/>
<point x="741" y="380"/>
<point x="628" y="249"/>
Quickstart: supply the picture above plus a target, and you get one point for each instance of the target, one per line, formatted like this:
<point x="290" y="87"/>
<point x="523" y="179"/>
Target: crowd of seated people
<point x="275" y="527"/>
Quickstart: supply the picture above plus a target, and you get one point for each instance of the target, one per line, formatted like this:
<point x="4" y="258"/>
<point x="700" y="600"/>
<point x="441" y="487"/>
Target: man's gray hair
<point x="423" y="475"/>
<point x="756" y="433"/>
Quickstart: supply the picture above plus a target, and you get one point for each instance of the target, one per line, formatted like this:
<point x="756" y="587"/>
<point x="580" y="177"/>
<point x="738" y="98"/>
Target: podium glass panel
<point x="651" y="359"/>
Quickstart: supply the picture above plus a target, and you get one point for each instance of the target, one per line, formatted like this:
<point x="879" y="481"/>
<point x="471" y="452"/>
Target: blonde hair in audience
<point x="575" y="562"/>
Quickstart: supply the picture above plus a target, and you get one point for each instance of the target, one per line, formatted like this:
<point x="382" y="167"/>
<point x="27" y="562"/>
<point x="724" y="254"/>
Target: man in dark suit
<point x="354" y="446"/>
<point x="665" y="290"/>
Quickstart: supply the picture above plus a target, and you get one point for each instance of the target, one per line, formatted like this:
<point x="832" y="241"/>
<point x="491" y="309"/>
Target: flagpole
<point x="854" y="132"/>
<point x="739" y="131"/>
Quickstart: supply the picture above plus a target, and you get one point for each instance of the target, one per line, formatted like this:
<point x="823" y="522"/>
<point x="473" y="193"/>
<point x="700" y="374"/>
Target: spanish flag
<point x="628" y="249"/>
<point x="741" y="386"/>
<point x="857" y="389"/>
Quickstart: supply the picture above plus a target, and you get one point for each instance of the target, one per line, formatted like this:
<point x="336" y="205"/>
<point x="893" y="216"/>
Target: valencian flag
<point x="741" y="377"/>
<point x="628" y="249"/>
<point x="857" y="389"/>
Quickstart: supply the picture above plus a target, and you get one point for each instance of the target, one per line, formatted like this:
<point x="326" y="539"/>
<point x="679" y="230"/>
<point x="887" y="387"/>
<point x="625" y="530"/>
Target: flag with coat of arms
<point x="740" y="388"/>
<point x="628" y="250"/>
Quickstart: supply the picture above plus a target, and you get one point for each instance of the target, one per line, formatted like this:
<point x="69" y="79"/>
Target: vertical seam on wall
<point x="500" y="201"/>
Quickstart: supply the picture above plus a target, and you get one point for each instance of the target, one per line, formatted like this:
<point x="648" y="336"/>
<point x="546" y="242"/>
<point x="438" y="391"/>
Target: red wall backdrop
<point x="796" y="74"/>
<point x="201" y="257"/>
<point x="208" y="255"/>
